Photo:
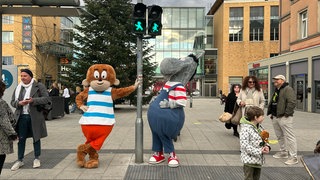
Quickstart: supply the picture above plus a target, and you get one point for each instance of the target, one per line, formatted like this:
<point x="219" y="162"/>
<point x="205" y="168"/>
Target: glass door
<point x="299" y="86"/>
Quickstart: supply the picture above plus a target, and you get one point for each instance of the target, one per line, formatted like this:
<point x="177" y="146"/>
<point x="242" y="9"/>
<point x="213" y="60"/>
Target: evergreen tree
<point x="105" y="37"/>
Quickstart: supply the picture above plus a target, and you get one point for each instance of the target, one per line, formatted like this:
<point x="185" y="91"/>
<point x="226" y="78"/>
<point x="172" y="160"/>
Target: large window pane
<point x="256" y="23"/>
<point x="159" y="41"/>
<point x="175" y="18"/>
<point x="192" y="19"/>
<point x="167" y="40"/>
<point x="304" y="24"/>
<point x="7" y="19"/>
<point x="7" y="36"/>
<point x="184" y="18"/>
<point x="183" y="39"/>
<point x="200" y="18"/>
<point x="7" y="60"/>
<point x="166" y="18"/>
<point x="274" y="24"/>
<point x="175" y="36"/>
<point x="190" y="40"/>
<point x="236" y="24"/>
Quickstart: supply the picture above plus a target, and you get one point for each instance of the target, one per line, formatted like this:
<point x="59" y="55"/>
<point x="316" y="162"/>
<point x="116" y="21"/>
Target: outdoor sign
<point x="10" y="78"/>
<point x="27" y="33"/>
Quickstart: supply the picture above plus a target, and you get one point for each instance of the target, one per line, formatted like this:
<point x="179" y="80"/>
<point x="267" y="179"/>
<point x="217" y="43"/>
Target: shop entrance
<point x="299" y="85"/>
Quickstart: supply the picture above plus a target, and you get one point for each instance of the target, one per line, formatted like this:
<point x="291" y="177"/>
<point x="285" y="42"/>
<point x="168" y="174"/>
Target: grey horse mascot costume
<point x="165" y="113"/>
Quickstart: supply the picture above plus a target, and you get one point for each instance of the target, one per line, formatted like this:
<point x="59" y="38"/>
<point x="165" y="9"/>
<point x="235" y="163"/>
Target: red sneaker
<point x="157" y="157"/>
<point x="173" y="160"/>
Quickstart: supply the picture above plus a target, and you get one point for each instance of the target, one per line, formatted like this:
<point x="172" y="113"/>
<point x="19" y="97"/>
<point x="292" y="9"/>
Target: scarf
<point x="249" y="99"/>
<point x="28" y="88"/>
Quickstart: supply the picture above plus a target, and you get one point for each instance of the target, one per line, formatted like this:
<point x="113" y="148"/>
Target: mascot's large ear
<point x="116" y="82"/>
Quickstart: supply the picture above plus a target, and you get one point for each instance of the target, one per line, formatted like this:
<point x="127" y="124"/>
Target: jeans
<point x="25" y="131"/>
<point x="73" y="108"/>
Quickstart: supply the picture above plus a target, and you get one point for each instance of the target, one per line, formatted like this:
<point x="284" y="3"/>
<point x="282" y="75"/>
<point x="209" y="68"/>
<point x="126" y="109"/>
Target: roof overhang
<point x="43" y="11"/>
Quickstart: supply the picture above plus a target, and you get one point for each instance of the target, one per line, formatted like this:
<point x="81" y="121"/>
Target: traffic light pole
<point x="139" y="120"/>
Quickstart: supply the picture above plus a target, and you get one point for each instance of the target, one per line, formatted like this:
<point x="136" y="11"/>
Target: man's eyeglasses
<point x="251" y="82"/>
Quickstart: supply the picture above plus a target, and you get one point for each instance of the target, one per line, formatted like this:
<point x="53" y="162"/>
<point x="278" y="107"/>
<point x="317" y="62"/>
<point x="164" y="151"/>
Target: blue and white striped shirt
<point x="100" y="110"/>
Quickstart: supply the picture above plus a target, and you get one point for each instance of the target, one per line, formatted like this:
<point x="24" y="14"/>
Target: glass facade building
<point x="182" y="27"/>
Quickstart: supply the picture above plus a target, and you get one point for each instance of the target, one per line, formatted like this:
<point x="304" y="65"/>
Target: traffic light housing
<point x="154" y="20"/>
<point x="139" y="19"/>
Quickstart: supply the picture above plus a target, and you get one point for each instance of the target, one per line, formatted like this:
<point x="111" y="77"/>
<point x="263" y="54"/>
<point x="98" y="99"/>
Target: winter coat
<point x="7" y="124"/>
<point x="250" y="143"/>
<point x="258" y="97"/>
<point x="286" y="102"/>
<point x="231" y="100"/>
<point x="40" y="97"/>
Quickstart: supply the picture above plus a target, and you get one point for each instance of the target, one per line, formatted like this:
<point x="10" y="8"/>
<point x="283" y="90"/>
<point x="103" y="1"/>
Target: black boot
<point x="236" y="134"/>
<point x="228" y="125"/>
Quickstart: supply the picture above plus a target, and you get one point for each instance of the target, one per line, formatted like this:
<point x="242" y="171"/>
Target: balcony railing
<point x="54" y="48"/>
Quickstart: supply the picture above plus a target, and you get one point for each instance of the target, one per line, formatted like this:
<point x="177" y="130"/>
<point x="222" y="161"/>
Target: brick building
<point x="299" y="59"/>
<point x="244" y="31"/>
<point x="33" y="42"/>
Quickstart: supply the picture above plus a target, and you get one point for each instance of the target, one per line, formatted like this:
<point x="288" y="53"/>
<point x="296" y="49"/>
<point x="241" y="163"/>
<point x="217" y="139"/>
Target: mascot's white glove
<point x="166" y="104"/>
<point x="84" y="108"/>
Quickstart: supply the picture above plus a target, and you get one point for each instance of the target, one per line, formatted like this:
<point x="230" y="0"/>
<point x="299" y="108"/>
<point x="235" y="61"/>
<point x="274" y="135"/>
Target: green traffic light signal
<point x="155" y="27"/>
<point x="139" y="26"/>
<point x="139" y="19"/>
<point x="154" y="20"/>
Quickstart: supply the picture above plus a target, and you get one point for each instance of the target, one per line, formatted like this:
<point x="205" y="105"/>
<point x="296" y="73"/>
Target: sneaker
<point x="36" y="163"/>
<point x="282" y="154"/>
<point x="17" y="165"/>
<point x="157" y="157"/>
<point x="173" y="161"/>
<point x="292" y="161"/>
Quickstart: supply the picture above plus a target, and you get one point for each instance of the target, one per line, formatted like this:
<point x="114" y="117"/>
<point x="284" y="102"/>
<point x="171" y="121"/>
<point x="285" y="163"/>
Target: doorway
<point x="299" y="85"/>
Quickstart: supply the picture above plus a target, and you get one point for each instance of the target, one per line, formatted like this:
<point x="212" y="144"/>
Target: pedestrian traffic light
<point x="139" y="19"/>
<point x="154" y="20"/>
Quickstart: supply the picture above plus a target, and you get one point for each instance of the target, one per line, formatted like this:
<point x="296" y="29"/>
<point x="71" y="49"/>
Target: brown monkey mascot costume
<point x="98" y="118"/>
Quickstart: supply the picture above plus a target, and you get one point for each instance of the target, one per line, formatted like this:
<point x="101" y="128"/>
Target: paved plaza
<point x="206" y="149"/>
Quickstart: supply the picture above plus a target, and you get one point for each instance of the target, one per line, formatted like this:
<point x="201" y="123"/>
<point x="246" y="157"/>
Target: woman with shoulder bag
<point x="229" y="106"/>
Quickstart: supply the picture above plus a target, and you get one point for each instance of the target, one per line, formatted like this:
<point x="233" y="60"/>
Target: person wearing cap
<point x="28" y="98"/>
<point x="281" y="109"/>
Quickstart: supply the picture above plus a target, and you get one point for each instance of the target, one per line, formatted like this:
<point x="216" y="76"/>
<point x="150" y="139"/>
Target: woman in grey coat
<point x="7" y="124"/>
<point x="29" y="98"/>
